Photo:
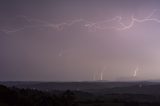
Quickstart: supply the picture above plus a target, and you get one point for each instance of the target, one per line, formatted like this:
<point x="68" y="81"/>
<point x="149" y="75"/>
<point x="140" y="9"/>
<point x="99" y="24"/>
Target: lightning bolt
<point x="91" y="26"/>
<point x="41" y="23"/>
<point x="94" y="76"/>
<point x="136" y="20"/>
<point x="135" y="71"/>
<point x="101" y="74"/>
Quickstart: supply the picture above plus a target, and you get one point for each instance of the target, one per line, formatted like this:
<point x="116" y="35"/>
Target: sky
<point x="79" y="40"/>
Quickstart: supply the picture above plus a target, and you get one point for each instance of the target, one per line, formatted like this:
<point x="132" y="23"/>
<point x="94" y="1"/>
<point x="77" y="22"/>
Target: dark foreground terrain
<point x="79" y="94"/>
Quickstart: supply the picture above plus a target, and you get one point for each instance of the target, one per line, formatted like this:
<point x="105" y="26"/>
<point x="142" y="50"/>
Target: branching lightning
<point x="91" y="26"/>
<point x="136" y="20"/>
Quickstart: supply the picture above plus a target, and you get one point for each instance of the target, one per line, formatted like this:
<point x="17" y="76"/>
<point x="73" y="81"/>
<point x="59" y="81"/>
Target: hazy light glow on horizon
<point x="80" y="40"/>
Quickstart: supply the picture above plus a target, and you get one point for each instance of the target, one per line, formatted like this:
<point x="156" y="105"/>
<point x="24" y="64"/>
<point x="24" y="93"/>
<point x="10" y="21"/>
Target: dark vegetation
<point x="12" y="96"/>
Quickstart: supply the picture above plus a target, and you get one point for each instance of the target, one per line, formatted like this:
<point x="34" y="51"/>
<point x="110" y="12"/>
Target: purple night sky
<point x="79" y="40"/>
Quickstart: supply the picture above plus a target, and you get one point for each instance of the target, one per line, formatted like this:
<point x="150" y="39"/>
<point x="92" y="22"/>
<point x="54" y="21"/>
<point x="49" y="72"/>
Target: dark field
<point x="80" y="94"/>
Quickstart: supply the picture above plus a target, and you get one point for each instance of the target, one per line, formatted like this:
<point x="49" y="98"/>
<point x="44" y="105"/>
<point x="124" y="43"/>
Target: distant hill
<point x="93" y="87"/>
<point x="135" y="95"/>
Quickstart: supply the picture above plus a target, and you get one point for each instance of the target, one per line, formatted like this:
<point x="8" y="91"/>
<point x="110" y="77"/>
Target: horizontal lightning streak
<point x="91" y="26"/>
